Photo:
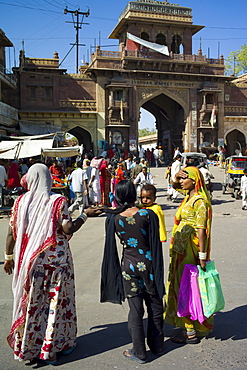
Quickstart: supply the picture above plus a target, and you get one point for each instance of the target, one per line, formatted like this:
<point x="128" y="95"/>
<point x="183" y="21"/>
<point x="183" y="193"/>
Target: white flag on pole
<point x="163" y="49"/>
<point x="213" y="116"/>
<point x="121" y="110"/>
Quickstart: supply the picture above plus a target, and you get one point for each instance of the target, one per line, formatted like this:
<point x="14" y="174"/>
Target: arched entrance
<point x="83" y="137"/>
<point x="235" y="139"/>
<point x="170" y="122"/>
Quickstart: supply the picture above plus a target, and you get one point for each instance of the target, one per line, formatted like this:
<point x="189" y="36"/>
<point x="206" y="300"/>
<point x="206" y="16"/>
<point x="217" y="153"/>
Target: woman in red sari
<point x="44" y="315"/>
<point x="13" y="176"/>
<point x="120" y="173"/>
<point x="105" y="183"/>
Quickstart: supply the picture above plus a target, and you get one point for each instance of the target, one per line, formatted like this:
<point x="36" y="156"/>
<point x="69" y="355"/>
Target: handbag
<point x="210" y="289"/>
<point x="189" y="300"/>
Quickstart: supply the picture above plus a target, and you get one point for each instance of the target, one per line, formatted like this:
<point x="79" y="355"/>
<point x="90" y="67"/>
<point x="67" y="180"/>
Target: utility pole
<point x="77" y="25"/>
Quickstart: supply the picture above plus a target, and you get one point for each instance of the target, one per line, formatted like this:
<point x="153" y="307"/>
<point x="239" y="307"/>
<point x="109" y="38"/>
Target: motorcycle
<point x="8" y="196"/>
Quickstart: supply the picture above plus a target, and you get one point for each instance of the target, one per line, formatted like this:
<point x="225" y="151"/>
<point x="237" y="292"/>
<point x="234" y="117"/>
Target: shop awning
<point x="63" y="152"/>
<point x="23" y="149"/>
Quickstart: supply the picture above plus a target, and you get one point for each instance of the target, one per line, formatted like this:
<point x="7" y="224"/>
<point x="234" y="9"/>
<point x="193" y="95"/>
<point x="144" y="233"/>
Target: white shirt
<point x="176" y="167"/>
<point x="77" y="178"/>
<point x="177" y="151"/>
<point x="3" y="175"/>
<point x="206" y="174"/>
<point x="243" y="186"/>
<point x="128" y="164"/>
<point x="142" y="153"/>
<point x="141" y="178"/>
<point x="156" y="153"/>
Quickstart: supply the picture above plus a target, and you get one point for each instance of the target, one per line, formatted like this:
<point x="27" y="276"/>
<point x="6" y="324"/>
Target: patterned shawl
<point x="34" y="222"/>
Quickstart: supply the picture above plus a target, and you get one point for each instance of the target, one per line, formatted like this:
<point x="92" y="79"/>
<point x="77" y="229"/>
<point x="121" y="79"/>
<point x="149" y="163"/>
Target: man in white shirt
<point x="175" y="168"/>
<point x="143" y="178"/>
<point x="243" y="189"/>
<point x="176" y="153"/>
<point x="79" y="185"/>
<point x="156" y="155"/>
<point x="141" y="153"/>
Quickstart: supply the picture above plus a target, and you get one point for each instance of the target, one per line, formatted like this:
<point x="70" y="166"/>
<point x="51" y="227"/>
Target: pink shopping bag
<point x="189" y="299"/>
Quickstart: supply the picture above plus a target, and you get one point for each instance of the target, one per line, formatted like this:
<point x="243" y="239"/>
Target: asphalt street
<point x="102" y="328"/>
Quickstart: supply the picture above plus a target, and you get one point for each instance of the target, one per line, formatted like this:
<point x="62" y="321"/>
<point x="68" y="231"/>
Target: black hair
<point x="79" y="164"/>
<point x="150" y="187"/>
<point x="125" y="196"/>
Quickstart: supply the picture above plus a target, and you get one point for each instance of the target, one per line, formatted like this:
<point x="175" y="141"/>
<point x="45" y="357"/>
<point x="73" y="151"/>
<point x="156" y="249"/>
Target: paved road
<point x="102" y="328"/>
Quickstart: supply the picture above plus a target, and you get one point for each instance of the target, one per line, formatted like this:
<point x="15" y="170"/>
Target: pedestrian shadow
<point x="216" y="202"/>
<point x="104" y="338"/>
<point x="217" y="186"/>
<point x="231" y="324"/>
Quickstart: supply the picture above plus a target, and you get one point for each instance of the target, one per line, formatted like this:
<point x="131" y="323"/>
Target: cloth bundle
<point x="200" y="294"/>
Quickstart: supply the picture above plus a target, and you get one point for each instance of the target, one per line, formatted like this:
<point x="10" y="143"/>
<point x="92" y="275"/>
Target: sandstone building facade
<point x="103" y="101"/>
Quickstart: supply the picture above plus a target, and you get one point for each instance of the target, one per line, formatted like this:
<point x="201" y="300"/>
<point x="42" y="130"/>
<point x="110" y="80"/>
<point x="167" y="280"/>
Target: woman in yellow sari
<point x="190" y="244"/>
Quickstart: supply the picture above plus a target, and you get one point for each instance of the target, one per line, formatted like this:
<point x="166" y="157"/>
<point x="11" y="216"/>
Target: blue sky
<point x="42" y="25"/>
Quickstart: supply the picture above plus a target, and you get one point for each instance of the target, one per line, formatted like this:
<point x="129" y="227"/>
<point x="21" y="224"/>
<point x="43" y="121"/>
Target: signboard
<point x="132" y="144"/>
<point x="166" y="134"/>
<point x="220" y="142"/>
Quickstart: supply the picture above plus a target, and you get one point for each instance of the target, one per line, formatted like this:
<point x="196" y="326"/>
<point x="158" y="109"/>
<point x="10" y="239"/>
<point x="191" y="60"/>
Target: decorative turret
<point x="157" y="22"/>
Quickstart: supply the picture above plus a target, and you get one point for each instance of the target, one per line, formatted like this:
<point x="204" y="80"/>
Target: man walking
<point x="156" y="156"/>
<point x="79" y="185"/>
<point x="175" y="168"/>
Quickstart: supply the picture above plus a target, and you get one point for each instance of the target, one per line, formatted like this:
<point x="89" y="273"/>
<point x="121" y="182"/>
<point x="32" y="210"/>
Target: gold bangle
<point x="8" y="257"/>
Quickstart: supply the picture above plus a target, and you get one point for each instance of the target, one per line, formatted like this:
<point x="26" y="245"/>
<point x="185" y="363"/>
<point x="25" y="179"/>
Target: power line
<point x="29" y="7"/>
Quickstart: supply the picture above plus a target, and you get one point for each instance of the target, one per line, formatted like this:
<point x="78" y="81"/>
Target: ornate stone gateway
<point x="180" y="89"/>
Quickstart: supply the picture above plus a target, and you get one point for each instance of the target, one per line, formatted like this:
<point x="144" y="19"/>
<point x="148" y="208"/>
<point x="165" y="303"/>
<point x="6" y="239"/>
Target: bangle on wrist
<point x="8" y="257"/>
<point x="202" y="255"/>
<point x="83" y="216"/>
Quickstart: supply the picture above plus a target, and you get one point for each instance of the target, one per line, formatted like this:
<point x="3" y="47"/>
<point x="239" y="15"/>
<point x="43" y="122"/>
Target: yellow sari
<point x="193" y="214"/>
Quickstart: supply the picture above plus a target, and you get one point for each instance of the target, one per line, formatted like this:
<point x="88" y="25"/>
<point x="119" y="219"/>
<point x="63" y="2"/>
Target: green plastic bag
<point x="210" y="289"/>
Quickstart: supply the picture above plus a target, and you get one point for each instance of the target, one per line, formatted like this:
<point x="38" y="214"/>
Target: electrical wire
<point x="29" y="7"/>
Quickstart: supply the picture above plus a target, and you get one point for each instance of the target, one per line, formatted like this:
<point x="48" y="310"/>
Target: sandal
<point x="182" y="338"/>
<point x="68" y="351"/>
<point x="51" y="361"/>
<point x="192" y="340"/>
<point x="128" y="354"/>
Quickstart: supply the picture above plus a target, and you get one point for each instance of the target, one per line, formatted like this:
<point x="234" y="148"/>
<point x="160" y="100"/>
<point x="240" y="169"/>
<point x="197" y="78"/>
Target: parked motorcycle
<point x="8" y="196"/>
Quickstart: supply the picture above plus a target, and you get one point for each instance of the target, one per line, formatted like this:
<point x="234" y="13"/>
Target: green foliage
<point x="237" y="59"/>
<point x="146" y="131"/>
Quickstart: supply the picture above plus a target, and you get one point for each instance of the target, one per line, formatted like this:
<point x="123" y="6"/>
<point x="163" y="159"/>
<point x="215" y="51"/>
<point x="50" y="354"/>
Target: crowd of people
<point x="44" y="315"/>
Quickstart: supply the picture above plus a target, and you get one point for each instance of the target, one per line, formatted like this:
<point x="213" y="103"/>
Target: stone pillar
<point x="169" y="39"/>
<point x="220" y="115"/>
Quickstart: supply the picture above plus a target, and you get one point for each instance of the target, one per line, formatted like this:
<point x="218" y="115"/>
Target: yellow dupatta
<point x="201" y="192"/>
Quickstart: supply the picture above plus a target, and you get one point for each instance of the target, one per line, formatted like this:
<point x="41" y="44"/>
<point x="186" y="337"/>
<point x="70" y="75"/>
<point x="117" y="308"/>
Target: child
<point x="148" y="196"/>
<point x="243" y="190"/>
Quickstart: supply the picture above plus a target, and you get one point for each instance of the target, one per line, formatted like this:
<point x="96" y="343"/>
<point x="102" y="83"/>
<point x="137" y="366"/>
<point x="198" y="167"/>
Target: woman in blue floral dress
<point x="140" y="276"/>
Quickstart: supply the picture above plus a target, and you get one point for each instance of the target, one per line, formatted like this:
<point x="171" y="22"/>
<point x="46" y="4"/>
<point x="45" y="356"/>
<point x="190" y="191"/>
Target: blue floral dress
<point x="136" y="265"/>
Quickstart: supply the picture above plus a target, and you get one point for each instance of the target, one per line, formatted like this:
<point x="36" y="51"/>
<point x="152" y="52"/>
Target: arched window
<point x="118" y="94"/>
<point x="160" y="39"/>
<point x="145" y="36"/>
<point x="176" y="42"/>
